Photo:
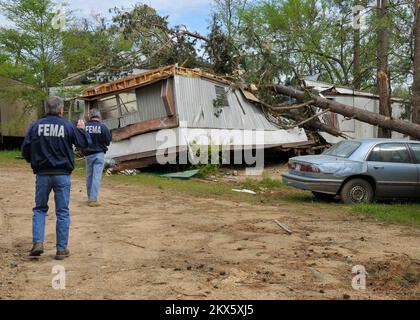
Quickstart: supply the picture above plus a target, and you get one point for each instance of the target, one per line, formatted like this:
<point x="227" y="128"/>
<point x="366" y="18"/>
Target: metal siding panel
<point x="195" y="96"/>
<point x="112" y="124"/>
<point x="130" y="119"/>
<point x="150" y="102"/>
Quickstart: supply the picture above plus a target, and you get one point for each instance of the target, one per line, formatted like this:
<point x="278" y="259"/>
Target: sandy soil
<point x="151" y="243"/>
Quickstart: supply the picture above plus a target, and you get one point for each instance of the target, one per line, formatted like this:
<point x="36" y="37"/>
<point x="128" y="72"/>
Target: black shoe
<point x="37" y="250"/>
<point x="61" y="255"/>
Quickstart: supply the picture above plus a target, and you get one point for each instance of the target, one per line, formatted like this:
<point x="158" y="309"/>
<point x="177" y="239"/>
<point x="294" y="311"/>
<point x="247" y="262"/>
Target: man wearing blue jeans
<point x="48" y="146"/>
<point x="95" y="155"/>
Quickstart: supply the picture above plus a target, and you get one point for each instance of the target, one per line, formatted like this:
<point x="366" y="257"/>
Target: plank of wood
<point x="283" y="227"/>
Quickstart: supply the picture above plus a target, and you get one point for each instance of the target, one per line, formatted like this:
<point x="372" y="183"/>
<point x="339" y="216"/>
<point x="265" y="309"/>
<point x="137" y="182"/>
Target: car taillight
<point x="304" y="167"/>
<point x="308" y="168"/>
<point x="292" y="165"/>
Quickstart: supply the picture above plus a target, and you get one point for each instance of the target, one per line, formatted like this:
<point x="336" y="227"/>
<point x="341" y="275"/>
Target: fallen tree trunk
<point x="401" y="126"/>
<point x="313" y="124"/>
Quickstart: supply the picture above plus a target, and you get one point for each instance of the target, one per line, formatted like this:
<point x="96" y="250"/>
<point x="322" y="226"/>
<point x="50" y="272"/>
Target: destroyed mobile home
<point x="170" y="110"/>
<point x="158" y="115"/>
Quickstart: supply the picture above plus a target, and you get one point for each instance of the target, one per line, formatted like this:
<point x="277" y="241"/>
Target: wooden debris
<point x="283" y="227"/>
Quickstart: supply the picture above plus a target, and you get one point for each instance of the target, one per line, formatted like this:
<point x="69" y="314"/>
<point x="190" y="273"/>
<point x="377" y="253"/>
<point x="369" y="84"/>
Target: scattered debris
<point x="283" y="227"/>
<point x="111" y="172"/>
<point x="132" y="244"/>
<point x="317" y="274"/>
<point x="185" y="175"/>
<point x="245" y="191"/>
<point x="400" y="274"/>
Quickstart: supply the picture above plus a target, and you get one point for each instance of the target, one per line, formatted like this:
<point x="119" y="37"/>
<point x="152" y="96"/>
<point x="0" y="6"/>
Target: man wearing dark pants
<point x="48" y="146"/>
<point x="95" y="155"/>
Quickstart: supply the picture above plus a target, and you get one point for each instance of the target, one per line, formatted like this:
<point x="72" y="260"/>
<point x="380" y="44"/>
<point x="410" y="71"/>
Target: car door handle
<point x="379" y="168"/>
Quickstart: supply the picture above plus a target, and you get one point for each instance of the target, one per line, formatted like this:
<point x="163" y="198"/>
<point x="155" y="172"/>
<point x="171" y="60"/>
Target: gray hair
<point x="54" y="105"/>
<point x="95" y="113"/>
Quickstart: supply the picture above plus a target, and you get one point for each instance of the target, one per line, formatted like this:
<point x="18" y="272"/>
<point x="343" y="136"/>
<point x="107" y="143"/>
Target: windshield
<point x="344" y="149"/>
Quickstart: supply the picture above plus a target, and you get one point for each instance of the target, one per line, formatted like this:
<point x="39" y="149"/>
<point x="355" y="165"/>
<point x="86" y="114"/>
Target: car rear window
<point x="343" y="149"/>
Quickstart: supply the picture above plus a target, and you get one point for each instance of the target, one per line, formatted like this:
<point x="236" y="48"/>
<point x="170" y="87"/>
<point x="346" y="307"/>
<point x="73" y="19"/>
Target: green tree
<point x="416" y="58"/>
<point x="153" y="42"/>
<point x="32" y="41"/>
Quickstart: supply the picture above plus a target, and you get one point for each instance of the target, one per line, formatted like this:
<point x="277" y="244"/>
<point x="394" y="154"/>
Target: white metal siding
<point x="194" y="100"/>
<point x="150" y="102"/>
<point x="357" y="129"/>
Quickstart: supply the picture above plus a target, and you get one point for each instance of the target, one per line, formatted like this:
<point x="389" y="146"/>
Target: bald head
<point x="54" y="105"/>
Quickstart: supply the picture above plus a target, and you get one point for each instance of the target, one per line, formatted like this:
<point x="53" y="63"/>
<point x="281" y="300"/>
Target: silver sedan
<point x="360" y="171"/>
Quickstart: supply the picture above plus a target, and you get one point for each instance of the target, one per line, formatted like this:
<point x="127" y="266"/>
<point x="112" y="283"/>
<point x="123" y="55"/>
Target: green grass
<point x="207" y="170"/>
<point x="10" y="158"/>
<point x="408" y="214"/>
<point x="265" y="183"/>
<point x="193" y="187"/>
<point x="196" y="187"/>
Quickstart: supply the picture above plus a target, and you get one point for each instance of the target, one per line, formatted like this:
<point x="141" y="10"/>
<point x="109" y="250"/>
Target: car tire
<point x="323" y="196"/>
<point x="357" y="191"/>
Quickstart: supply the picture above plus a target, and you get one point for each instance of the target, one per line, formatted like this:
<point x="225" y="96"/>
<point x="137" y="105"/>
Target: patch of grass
<point x="265" y="183"/>
<point x="207" y="170"/>
<point x="401" y="213"/>
<point x="10" y="158"/>
<point x="193" y="187"/>
<point x="276" y="190"/>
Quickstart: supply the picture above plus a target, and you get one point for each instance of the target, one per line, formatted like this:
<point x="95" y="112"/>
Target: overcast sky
<point x="193" y="13"/>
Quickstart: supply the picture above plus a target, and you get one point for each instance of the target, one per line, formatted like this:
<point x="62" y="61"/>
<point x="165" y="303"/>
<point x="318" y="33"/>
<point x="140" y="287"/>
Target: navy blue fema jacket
<point x="48" y="145"/>
<point x="101" y="137"/>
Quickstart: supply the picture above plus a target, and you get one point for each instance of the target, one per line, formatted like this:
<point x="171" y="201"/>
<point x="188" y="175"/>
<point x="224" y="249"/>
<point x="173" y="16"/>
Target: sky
<point x="195" y="14"/>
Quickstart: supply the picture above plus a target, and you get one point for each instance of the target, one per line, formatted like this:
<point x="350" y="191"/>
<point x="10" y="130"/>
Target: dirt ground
<point x="151" y="243"/>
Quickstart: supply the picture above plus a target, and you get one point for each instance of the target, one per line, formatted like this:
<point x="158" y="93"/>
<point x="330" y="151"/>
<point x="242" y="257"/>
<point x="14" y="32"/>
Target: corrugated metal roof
<point x="335" y="89"/>
<point x="195" y="104"/>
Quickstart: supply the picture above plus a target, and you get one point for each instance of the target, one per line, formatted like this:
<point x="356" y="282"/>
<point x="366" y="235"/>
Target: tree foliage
<point x="263" y="41"/>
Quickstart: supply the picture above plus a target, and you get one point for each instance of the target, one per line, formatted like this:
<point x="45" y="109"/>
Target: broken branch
<point x="309" y="119"/>
<point x="291" y="107"/>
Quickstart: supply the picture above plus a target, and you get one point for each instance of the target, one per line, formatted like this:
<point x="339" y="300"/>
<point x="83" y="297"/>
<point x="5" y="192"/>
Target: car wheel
<point x="357" y="191"/>
<point x="323" y="196"/>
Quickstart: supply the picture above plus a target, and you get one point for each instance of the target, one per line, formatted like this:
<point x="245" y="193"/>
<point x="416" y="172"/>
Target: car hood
<point x="339" y="167"/>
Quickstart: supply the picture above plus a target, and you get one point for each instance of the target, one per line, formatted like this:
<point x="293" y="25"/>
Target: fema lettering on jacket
<point x="51" y="130"/>
<point x="94" y="129"/>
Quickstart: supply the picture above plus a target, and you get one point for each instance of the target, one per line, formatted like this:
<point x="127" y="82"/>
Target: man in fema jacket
<point x="48" y="146"/>
<point x="95" y="155"/>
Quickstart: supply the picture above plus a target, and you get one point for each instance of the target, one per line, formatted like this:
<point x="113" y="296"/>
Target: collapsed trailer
<point x="197" y="107"/>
